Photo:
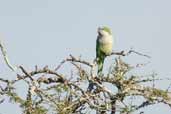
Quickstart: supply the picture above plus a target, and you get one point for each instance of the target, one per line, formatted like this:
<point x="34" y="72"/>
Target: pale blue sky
<point x="41" y="32"/>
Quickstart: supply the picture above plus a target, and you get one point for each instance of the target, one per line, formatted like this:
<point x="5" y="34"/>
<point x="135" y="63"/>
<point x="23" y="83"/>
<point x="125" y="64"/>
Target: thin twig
<point x="73" y="59"/>
<point x="138" y="53"/>
<point x="4" y="53"/>
<point x="59" y="66"/>
<point x="123" y="53"/>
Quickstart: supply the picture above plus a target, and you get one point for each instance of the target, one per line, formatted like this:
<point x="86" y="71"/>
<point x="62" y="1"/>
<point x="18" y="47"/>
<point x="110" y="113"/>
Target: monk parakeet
<point x="104" y="44"/>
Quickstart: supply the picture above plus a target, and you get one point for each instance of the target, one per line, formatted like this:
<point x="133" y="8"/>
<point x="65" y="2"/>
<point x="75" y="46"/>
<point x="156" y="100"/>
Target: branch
<point x="123" y="53"/>
<point x="138" y="53"/>
<point x="73" y="59"/>
<point x="4" y="53"/>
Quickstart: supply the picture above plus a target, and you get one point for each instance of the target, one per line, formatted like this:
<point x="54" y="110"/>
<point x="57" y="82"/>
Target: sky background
<point x="44" y="32"/>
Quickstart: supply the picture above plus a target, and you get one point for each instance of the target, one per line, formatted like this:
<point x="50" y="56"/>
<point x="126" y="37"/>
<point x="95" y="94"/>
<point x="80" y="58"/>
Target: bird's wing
<point x="97" y="48"/>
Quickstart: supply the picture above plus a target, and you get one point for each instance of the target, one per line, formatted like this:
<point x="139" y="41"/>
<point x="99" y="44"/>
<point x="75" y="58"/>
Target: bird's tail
<point x="100" y="63"/>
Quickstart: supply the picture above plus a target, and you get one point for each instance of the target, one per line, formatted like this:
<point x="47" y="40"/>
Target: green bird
<point x="104" y="44"/>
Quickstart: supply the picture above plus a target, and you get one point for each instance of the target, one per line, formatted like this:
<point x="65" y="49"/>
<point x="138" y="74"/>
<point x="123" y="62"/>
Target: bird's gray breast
<point x="105" y="39"/>
<point x="106" y="44"/>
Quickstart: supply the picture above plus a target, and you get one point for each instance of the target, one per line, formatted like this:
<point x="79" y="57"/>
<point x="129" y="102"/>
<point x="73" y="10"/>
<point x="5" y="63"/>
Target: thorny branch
<point x="50" y="91"/>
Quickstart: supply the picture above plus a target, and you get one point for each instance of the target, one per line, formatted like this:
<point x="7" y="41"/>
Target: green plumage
<point x="107" y="29"/>
<point x="100" y="56"/>
<point x="104" y="44"/>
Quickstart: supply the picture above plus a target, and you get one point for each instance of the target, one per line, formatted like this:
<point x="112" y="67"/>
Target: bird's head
<point x="104" y="31"/>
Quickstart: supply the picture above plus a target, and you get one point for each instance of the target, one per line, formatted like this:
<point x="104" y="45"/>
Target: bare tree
<point x="51" y="91"/>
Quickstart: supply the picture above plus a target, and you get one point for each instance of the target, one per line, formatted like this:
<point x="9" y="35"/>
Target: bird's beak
<point x="99" y="29"/>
